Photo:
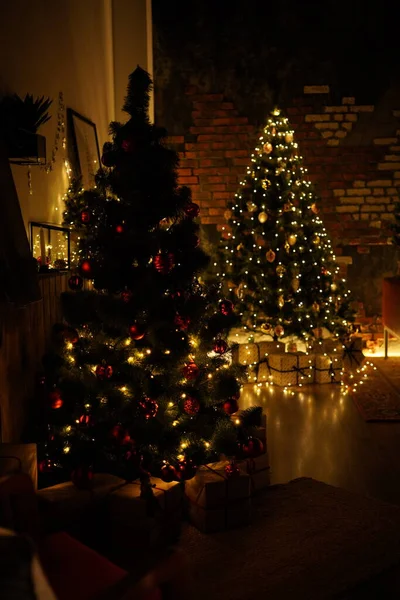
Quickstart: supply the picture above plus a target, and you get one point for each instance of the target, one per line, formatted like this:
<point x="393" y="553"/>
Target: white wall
<point x="84" y="48"/>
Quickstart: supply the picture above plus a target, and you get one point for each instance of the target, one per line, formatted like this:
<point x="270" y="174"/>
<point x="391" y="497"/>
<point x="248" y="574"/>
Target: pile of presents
<point x="218" y="497"/>
<point x="274" y="362"/>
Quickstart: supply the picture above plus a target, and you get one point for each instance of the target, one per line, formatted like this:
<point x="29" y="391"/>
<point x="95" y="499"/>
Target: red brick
<point x="214" y="187"/>
<point x="216" y="211"/>
<point x="223" y="145"/>
<point x="212" y="162"/>
<point x="175" y="139"/>
<point x="236" y="153"/>
<point x="195" y="147"/>
<point x="190" y="155"/>
<point x="188" y="162"/>
<point x="213" y="137"/>
<point x="241" y="161"/>
<point x="213" y="179"/>
<point x="201" y="195"/>
<point x="214" y="203"/>
<point x="207" y="171"/>
<point x="184" y="172"/>
<point x="222" y="195"/>
<point x="231" y="121"/>
<point x="214" y="220"/>
<point x="188" y="180"/>
<point x="196" y="130"/>
<point x="335" y="185"/>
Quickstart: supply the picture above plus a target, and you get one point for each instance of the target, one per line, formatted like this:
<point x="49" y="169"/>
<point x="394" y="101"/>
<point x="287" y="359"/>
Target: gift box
<point x="288" y="368"/>
<point x="266" y="348"/>
<point x="246" y="354"/>
<point x="328" y="368"/>
<point x="64" y="504"/>
<point x="258" y="470"/>
<point x="19" y="458"/>
<point x="327" y="346"/>
<point x="216" y="502"/>
<point x="151" y="521"/>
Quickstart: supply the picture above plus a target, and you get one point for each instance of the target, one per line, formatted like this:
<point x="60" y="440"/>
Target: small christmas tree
<point x="276" y="258"/>
<point x="140" y="376"/>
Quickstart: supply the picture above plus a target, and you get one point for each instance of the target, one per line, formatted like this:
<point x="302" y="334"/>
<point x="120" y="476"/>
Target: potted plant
<point x="20" y="119"/>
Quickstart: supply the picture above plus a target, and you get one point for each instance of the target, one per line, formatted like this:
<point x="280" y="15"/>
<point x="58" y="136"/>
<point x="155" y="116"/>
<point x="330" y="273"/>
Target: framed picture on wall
<point x="84" y="152"/>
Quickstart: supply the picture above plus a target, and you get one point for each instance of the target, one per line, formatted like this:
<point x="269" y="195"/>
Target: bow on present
<point x="350" y="353"/>
<point x="299" y="371"/>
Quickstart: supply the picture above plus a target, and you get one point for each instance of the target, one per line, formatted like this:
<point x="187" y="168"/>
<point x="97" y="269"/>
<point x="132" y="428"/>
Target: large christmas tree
<point x="276" y="258"/>
<point x="140" y="376"/>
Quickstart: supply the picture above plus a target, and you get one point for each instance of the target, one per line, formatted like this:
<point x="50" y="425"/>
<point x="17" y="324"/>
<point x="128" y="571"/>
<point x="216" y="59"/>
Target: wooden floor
<point x="320" y="434"/>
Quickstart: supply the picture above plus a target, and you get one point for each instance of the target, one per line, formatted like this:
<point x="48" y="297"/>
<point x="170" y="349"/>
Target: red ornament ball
<point x="191" y="406"/>
<point x="108" y="159"/>
<point x="191" y="371"/>
<point x="186" y="469"/>
<point x="230" y="406"/>
<point x="253" y="448"/>
<point x="128" y="144"/>
<point x="168" y="473"/>
<point x="220" y="346"/>
<point x="126" y="295"/>
<point x="55" y="399"/>
<point x="164" y="263"/>
<point x="148" y="408"/>
<point x="118" y="433"/>
<point x="192" y="210"/>
<point x="46" y="465"/>
<point x="137" y="332"/>
<point x="226" y="307"/>
<point x="82" y="477"/>
<point x="86" y="267"/>
<point x="119" y="228"/>
<point x="85" y="216"/>
<point x="232" y="470"/>
<point x="75" y="282"/>
<point x="104" y="372"/>
<point x="182" y="322"/>
<point x="85" y="419"/>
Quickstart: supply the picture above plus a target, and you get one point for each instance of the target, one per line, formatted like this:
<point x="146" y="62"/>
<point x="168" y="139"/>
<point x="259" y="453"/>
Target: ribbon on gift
<point x="225" y="502"/>
<point x="331" y="370"/>
<point x="299" y="371"/>
<point x="350" y="352"/>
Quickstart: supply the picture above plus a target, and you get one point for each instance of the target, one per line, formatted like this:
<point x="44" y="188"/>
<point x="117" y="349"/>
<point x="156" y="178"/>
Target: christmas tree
<point x="140" y="376"/>
<point x="275" y="256"/>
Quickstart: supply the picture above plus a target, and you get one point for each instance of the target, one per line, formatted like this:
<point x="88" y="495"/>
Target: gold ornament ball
<point x="267" y="148"/>
<point x="333" y="287"/>
<point x="287" y="207"/>
<point x="228" y="214"/>
<point x="270" y="256"/>
<point x="292" y="239"/>
<point x="280" y="270"/>
<point x="279" y="331"/>
<point x="281" y="301"/>
<point x="265" y="184"/>
<point x="316" y="240"/>
<point x="263" y="217"/>
<point x="295" y="284"/>
<point x="240" y="247"/>
<point x="251" y="207"/>
<point x="314" y="208"/>
<point x="266" y="327"/>
<point x="316" y="307"/>
<point x="287" y="246"/>
<point x="289" y="137"/>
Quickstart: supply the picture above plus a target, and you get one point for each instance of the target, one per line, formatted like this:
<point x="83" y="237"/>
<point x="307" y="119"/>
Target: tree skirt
<point x="379" y="398"/>
<point x="308" y="540"/>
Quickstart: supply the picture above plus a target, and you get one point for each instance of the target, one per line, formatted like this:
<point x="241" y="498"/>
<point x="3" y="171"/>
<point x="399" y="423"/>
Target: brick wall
<point x="356" y="170"/>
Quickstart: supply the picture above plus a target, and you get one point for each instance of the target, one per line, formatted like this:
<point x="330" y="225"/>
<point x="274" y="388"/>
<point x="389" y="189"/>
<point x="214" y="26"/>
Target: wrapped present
<point x="245" y="354"/>
<point x="328" y="346"/>
<point x="217" y="502"/>
<point x="266" y="348"/>
<point x="19" y="458"/>
<point x="328" y="368"/>
<point x="258" y="470"/>
<point x="287" y="368"/>
<point x="152" y="520"/>
<point x="64" y="504"/>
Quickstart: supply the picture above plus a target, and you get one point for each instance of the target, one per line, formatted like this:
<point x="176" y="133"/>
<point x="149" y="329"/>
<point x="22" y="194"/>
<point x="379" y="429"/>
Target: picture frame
<point x="84" y="151"/>
<point x="54" y="241"/>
